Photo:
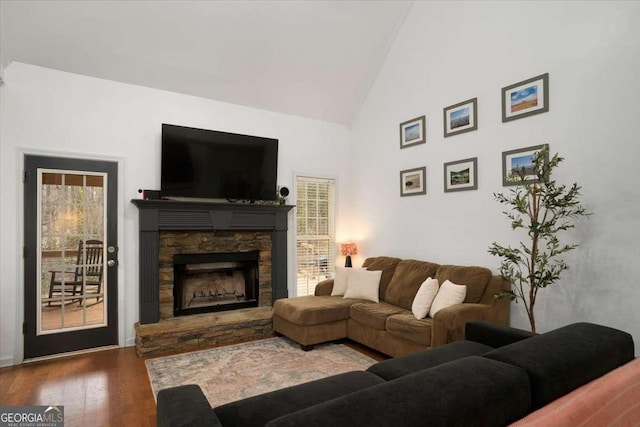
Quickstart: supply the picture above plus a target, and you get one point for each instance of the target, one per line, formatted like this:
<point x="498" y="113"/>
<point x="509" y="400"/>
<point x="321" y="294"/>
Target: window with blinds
<point x="315" y="232"/>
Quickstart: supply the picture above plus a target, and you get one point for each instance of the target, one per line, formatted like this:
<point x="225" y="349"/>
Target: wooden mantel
<point x="165" y="215"/>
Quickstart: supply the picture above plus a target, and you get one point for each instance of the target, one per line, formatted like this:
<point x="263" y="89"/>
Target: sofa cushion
<point x="258" y="410"/>
<point x="313" y="310"/>
<point x="363" y="284"/>
<point x="411" y="363"/>
<point x="424" y="298"/>
<point x="449" y="294"/>
<point x="465" y="392"/>
<point x="408" y="327"/>
<point x="476" y="279"/>
<point x="406" y="281"/>
<point x="340" y="281"/>
<point x="566" y="358"/>
<point x="385" y="264"/>
<point x="493" y="334"/>
<point x="374" y="315"/>
<point x="185" y="405"/>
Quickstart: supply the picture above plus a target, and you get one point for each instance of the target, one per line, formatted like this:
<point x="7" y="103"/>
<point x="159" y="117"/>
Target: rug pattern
<point x="230" y="373"/>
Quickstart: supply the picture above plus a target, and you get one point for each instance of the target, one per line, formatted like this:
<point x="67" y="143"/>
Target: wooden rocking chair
<point x="87" y="273"/>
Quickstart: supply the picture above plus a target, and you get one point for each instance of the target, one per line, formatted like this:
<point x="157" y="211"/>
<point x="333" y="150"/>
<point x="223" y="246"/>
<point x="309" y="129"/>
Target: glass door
<point x="70" y="255"/>
<point x="72" y="232"/>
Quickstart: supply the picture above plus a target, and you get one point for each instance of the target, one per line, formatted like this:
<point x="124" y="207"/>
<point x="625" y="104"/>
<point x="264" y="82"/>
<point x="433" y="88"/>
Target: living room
<point x="442" y="53"/>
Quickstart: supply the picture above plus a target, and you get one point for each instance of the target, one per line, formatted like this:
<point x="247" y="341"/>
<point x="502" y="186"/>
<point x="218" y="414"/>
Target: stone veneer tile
<point x="186" y="333"/>
<point x="194" y="242"/>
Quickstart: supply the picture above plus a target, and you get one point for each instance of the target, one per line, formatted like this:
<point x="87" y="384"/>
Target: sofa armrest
<point x="324" y="288"/>
<point x="500" y="309"/>
<point x="494" y="335"/>
<point x="449" y="323"/>
<point x="185" y="406"/>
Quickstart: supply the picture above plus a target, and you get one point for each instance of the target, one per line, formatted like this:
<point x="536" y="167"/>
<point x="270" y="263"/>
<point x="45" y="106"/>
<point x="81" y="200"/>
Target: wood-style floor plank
<point x="104" y="388"/>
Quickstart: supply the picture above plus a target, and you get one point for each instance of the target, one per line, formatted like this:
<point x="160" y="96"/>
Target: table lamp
<point x="348" y="249"/>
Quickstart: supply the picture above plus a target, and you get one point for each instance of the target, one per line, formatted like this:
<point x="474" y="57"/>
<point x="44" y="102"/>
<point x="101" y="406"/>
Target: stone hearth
<point x="187" y="333"/>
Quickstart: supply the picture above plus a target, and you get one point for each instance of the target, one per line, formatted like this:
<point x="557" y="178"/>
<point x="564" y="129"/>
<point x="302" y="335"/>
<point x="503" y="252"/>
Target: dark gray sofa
<point x="494" y="377"/>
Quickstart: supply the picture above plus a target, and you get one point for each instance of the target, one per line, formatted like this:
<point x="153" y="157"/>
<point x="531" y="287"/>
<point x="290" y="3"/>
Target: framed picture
<point x="461" y="117"/>
<point x="461" y="175"/>
<point x="520" y="162"/>
<point x="412" y="132"/>
<point x="525" y="98"/>
<point x="413" y="182"/>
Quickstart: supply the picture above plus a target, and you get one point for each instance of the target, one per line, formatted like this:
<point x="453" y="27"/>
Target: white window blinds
<point x="315" y="232"/>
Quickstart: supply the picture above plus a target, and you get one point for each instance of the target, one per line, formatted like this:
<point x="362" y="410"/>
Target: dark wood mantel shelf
<point x="169" y="215"/>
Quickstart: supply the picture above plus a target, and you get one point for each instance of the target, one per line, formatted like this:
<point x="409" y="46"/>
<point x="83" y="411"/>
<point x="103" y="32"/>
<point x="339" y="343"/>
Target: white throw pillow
<point x="424" y="298"/>
<point x="363" y="284"/>
<point x="340" y="281"/>
<point x="449" y="294"/>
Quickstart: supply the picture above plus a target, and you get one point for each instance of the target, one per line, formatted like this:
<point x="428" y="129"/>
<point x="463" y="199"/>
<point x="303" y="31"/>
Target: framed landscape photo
<point x="525" y="98"/>
<point x="520" y="163"/>
<point x="461" y="175"/>
<point x="412" y="132"/>
<point x="413" y="182"/>
<point x="461" y="117"/>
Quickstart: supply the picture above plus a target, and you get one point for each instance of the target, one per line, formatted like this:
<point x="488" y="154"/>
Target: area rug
<point x="230" y="373"/>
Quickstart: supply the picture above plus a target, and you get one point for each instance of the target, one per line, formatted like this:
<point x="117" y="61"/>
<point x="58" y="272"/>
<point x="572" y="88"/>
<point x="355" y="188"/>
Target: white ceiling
<point x="314" y="59"/>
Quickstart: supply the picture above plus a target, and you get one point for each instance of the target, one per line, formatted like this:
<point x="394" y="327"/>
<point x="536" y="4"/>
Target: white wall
<point x="445" y="53"/>
<point x="450" y="52"/>
<point x="47" y="111"/>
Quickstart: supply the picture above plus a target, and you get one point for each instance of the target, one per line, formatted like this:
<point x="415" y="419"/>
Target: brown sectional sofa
<point x="389" y="326"/>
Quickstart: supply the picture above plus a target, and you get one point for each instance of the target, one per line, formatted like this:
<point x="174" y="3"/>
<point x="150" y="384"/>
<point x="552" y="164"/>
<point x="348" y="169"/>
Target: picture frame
<point x="522" y="159"/>
<point x="412" y="132"/>
<point x="461" y="175"/>
<point x="413" y="182"/>
<point x="525" y="98"/>
<point x="461" y="117"/>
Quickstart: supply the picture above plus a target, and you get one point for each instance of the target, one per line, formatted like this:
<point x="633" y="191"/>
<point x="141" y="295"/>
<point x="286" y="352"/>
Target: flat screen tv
<point x="207" y="164"/>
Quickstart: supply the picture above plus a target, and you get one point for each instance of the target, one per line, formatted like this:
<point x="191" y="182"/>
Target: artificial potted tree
<point x="543" y="209"/>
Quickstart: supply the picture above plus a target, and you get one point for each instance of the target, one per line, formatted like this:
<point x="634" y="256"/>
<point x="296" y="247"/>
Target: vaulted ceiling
<point x="313" y="59"/>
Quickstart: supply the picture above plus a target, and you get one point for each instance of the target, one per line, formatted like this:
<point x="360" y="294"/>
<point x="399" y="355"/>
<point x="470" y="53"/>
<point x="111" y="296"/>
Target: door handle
<point x="112" y="263"/>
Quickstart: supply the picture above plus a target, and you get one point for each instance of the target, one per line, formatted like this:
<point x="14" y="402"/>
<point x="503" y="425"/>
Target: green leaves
<point x="543" y="209"/>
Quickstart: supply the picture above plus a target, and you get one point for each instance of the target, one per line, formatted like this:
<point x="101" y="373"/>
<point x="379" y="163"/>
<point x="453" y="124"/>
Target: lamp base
<point x="347" y="261"/>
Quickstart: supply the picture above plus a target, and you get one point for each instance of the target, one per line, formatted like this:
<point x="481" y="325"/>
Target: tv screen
<point x="199" y="163"/>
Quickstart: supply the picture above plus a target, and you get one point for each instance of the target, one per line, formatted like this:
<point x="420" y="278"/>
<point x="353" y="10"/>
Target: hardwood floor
<point x="104" y="388"/>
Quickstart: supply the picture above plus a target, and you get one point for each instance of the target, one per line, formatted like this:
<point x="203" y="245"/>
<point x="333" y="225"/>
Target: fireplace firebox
<point x="208" y="282"/>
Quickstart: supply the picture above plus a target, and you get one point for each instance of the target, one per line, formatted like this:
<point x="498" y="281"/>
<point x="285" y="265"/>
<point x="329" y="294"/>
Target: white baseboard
<point x="6" y="361"/>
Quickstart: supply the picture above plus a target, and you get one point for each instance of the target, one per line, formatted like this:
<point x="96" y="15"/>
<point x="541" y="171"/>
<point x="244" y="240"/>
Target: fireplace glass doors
<point x="214" y="282"/>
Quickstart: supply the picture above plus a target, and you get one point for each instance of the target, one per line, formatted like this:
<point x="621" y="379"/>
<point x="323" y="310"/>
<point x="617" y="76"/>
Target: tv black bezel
<point x="209" y="137"/>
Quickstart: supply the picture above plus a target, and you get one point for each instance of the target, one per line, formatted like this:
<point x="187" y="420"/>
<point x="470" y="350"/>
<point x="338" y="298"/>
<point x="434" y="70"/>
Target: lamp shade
<point x="349" y="248"/>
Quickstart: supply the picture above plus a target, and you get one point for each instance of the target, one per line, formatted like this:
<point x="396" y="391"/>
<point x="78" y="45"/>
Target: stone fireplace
<point x="209" y="271"/>
<point x="196" y="240"/>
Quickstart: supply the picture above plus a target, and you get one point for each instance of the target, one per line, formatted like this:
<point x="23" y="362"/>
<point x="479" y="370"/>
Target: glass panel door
<point x="70" y="255"/>
<point x="72" y="288"/>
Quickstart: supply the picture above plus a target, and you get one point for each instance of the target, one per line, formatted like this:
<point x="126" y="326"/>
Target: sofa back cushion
<point x="476" y="279"/>
<point x="406" y="281"/>
<point x="464" y="392"/>
<point x="385" y="264"/>
<point x="566" y="358"/>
